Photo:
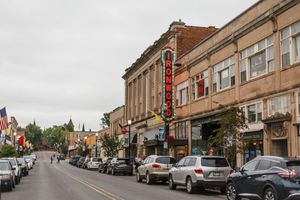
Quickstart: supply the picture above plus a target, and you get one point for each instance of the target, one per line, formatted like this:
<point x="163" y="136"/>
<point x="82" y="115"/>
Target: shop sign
<point x="168" y="58"/>
<point x="257" y="135"/>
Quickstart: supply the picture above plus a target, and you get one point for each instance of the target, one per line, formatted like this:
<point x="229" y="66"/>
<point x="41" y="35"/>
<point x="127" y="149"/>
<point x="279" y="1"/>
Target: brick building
<point x="251" y="62"/>
<point x="143" y="87"/>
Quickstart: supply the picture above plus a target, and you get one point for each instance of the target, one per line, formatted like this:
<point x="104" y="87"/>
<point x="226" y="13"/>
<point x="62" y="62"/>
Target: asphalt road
<point x="65" y="182"/>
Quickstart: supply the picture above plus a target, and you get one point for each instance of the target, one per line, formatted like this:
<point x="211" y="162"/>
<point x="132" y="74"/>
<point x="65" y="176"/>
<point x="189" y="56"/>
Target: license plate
<point x="216" y="173"/>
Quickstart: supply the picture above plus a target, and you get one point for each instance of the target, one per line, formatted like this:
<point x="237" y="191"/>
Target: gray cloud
<point x="66" y="58"/>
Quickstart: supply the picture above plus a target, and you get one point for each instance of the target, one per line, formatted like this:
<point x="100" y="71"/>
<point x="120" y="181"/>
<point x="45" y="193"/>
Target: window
<point x="253" y="112"/>
<point x="250" y="166"/>
<point x="181" y="130"/>
<point x="200" y="85"/>
<point x="223" y="75"/>
<point x="280" y="104"/>
<point x="181" y="162"/>
<point x="290" y="45"/>
<point x="257" y="59"/>
<point x="192" y="162"/>
<point x="214" y="162"/>
<point x="264" y="165"/>
<point x="182" y="93"/>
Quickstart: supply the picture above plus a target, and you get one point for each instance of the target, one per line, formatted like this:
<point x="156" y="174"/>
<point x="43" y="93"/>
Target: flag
<point x="123" y="129"/>
<point x="156" y="116"/>
<point x="3" y="119"/>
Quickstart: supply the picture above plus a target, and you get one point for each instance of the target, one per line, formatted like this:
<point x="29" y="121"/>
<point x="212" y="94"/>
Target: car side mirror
<point x="174" y="165"/>
<point x="19" y="164"/>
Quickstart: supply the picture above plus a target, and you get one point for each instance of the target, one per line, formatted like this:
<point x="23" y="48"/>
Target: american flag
<point x="3" y="119"/>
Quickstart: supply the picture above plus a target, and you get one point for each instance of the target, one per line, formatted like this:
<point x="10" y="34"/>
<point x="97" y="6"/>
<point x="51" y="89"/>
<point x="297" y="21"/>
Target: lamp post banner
<point x="168" y="59"/>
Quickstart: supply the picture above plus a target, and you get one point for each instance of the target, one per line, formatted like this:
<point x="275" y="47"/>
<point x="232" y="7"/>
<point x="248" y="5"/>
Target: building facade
<point x="251" y="62"/>
<point x="143" y="88"/>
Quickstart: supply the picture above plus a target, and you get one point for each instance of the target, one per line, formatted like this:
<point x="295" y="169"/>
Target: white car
<point x="17" y="168"/>
<point x="93" y="163"/>
<point x="29" y="161"/>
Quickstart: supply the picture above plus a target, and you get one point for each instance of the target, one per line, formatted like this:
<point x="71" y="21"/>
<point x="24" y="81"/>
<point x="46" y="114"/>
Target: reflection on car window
<point x="165" y="160"/>
<point x="4" y="166"/>
<point x="214" y="162"/>
<point x="264" y="165"/>
<point x="181" y="162"/>
<point x="251" y="166"/>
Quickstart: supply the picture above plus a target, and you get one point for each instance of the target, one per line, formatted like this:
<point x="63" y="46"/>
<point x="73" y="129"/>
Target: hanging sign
<point x="168" y="59"/>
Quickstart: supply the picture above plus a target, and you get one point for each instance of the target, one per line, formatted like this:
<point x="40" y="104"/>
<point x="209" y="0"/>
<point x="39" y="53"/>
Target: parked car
<point x="93" y="163"/>
<point x="24" y="166"/>
<point x="155" y="168"/>
<point x="80" y="162"/>
<point x="29" y="161"/>
<point x="85" y="162"/>
<point x="119" y="166"/>
<point x="103" y="166"/>
<point x="17" y="166"/>
<point x="61" y="157"/>
<point x="200" y="172"/>
<point x="266" y="177"/>
<point x="34" y="156"/>
<point x="7" y="175"/>
<point x="73" y="160"/>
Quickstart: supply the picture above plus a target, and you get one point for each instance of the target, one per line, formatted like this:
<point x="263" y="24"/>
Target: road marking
<point x="91" y="186"/>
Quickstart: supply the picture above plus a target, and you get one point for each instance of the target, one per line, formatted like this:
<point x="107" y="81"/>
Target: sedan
<point x="7" y="175"/>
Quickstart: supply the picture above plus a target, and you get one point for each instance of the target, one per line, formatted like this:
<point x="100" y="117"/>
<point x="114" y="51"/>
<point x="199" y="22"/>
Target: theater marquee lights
<point x="168" y="58"/>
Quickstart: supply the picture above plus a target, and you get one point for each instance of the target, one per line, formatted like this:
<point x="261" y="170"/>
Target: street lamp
<point x="129" y="123"/>
<point x="85" y="138"/>
<point x="96" y="150"/>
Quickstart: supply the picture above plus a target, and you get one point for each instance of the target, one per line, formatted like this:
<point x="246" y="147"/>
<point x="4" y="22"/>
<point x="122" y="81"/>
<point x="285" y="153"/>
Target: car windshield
<point x="214" y="162"/>
<point x="123" y="161"/>
<point x="96" y="160"/>
<point x="12" y="161"/>
<point x="21" y="160"/>
<point x="4" y="166"/>
<point x="166" y="160"/>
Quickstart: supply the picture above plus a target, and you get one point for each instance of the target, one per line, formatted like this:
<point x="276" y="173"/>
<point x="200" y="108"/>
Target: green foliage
<point x="105" y="120"/>
<point x="83" y="150"/>
<point x="8" y="151"/>
<point x="111" y="145"/>
<point x="56" y="135"/>
<point x="227" y="138"/>
<point x="69" y="127"/>
<point x="34" y="134"/>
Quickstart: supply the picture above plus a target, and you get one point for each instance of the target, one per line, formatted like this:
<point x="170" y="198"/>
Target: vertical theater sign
<point x="168" y="60"/>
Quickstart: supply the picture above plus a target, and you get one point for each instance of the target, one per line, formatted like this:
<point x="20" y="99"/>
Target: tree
<point x="227" y="138"/>
<point x="111" y="145"/>
<point x="34" y="134"/>
<point x="55" y="136"/>
<point x="105" y="120"/>
<point x="8" y="151"/>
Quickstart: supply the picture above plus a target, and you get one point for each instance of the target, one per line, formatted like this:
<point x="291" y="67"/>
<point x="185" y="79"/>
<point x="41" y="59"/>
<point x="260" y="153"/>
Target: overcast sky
<point x="62" y="58"/>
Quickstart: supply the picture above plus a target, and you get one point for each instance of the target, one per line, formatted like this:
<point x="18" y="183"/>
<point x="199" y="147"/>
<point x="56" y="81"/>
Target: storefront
<point x="252" y="144"/>
<point x="202" y="129"/>
<point x="153" y="141"/>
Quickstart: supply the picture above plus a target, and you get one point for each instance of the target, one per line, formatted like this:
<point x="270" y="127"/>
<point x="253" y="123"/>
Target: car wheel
<point x="172" y="186"/>
<point x="107" y="172"/>
<point x="148" y="179"/>
<point x="138" y="177"/>
<point x="270" y="194"/>
<point x="189" y="185"/>
<point x="231" y="192"/>
<point x="10" y="188"/>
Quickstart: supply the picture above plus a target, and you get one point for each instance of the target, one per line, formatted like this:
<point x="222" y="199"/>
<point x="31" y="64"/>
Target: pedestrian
<point x="51" y="158"/>
<point x="57" y="159"/>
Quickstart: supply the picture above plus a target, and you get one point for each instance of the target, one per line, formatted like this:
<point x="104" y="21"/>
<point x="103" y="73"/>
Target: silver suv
<point x="155" y="168"/>
<point x="200" y="171"/>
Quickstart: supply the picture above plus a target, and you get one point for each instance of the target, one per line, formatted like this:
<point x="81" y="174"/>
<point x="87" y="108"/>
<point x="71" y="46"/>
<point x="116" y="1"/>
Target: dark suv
<point x="267" y="178"/>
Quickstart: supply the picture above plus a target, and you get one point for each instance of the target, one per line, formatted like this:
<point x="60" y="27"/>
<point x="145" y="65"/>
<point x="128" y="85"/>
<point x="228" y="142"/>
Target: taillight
<point x="198" y="171"/>
<point x="288" y="174"/>
<point x="155" y="166"/>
